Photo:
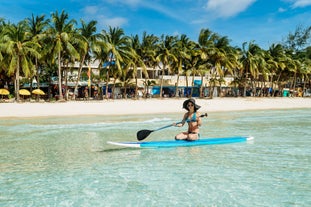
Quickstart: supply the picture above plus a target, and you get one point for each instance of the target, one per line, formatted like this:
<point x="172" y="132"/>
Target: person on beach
<point x="193" y="119"/>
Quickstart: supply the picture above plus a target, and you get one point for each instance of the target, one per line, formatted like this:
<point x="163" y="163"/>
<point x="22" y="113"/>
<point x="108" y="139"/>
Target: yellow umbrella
<point x="4" y="91"/>
<point x="24" y="92"/>
<point x="38" y="92"/>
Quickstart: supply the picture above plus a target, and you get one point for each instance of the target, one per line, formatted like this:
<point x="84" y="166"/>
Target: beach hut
<point x="4" y="92"/>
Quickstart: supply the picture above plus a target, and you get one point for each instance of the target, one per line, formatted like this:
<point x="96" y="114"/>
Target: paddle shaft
<point x="165" y="127"/>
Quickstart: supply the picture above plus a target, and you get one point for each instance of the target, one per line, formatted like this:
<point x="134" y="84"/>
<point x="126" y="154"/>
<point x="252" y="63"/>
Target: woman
<point x="192" y="117"/>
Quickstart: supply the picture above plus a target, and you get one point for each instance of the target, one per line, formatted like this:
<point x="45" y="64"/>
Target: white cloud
<point x="149" y="4"/>
<point x="90" y="10"/>
<point x="104" y="22"/>
<point x="227" y="8"/>
<point x="131" y="3"/>
<point x="299" y="3"/>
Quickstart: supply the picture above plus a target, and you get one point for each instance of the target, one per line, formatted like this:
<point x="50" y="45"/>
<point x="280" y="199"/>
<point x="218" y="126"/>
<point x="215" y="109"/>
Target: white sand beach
<point x="148" y="106"/>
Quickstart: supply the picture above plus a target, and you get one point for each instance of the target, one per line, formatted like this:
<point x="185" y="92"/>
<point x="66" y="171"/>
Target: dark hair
<point x="191" y="100"/>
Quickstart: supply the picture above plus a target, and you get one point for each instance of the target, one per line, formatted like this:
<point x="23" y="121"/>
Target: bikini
<point x="193" y="119"/>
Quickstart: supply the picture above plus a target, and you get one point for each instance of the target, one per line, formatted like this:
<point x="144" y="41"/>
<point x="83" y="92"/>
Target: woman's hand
<point x="177" y="125"/>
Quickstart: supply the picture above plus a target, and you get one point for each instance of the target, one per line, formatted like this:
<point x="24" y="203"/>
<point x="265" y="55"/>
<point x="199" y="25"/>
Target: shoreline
<point x="147" y="106"/>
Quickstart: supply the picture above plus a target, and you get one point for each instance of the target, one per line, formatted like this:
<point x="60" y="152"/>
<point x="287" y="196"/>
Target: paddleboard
<point x="183" y="143"/>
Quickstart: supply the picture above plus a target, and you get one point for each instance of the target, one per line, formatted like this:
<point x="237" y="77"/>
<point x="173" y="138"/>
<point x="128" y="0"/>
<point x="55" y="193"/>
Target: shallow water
<point x="65" y="161"/>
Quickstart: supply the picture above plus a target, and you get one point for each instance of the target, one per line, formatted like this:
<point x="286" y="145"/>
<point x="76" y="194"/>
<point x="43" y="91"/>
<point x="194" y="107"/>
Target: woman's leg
<point x="181" y="136"/>
<point x="192" y="136"/>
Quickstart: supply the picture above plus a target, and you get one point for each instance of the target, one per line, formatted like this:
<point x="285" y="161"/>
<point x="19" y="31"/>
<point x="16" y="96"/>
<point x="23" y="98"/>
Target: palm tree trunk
<point x="294" y="82"/>
<point x="192" y="85"/>
<point x="161" y="83"/>
<point x="60" y="79"/>
<point x="277" y="81"/>
<point x="176" y="86"/>
<point x="66" y="83"/>
<point x="187" y="85"/>
<point x="37" y="75"/>
<point x="113" y="88"/>
<point x="136" y="88"/>
<point x="78" y="78"/>
<point x="266" y="91"/>
<point x="271" y="85"/>
<point x="124" y="92"/>
<point x="17" y="81"/>
<point x="244" y="92"/>
<point x="145" y="88"/>
<point x="304" y="82"/>
<point x="107" y="84"/>
<point x="220" y="90"/>
<point x="201" y="87"/>
<point x="211" y="93"/>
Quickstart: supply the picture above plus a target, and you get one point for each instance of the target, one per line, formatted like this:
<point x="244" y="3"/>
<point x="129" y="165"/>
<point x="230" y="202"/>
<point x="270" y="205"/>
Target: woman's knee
<point x="192" y="137"/>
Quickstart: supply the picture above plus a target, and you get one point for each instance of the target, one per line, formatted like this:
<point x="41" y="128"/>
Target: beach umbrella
<point x="4" y="91"/>
<point x="38" y="92"/>
<point x="24" y="92"/>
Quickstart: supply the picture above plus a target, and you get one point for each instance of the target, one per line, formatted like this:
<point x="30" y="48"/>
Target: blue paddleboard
<point x="183" y="143"/>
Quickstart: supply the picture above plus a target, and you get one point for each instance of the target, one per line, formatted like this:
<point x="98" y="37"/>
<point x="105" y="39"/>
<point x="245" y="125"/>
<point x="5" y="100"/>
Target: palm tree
<point x="148" y="49"/>
<point x="126" y="78"/>
<point x="207" y="49"/>
<point x="276" y="62"/>
<point x="305" y="72"/>
<point x="294" y="68"/>
<point x="148" y="54"/>
<point x="118" y="48"/>
<point x="289" y="66"/>
<point x="136" y="60"/>
<point x="183" y="52"/>
<point x="20" y="50"/>
<point x="36" y="28"/>
<point x="61" y="33"/>
<point x="89" y="38"/>
<point x="100" y="53"/>
<point x="165" y="56"/>
<point x="252" y="55"/>
<point x="224" y="60"/>
<point x="2" y="64"/>
<point x="307" y="67"/>
<point x="194" y="65"/>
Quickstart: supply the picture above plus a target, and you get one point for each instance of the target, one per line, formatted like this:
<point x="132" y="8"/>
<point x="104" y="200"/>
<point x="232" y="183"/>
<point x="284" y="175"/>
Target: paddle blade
<point x="142" y="134"/>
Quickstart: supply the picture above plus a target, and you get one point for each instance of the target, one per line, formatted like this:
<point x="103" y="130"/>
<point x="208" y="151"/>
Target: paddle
<point x="142" y="134"/>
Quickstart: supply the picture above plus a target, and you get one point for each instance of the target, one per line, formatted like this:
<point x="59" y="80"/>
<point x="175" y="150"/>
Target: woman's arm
<point x="199" y="120"/>
<point x="182" y="122"/>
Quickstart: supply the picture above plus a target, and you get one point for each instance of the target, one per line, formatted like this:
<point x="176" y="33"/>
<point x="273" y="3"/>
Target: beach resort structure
<point x="90" y="88"/>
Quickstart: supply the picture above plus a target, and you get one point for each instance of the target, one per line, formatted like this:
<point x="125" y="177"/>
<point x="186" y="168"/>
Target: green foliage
<point x="40" y="47"/>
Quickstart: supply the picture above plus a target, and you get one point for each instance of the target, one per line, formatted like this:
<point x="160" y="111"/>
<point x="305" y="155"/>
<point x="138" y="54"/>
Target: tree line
<point x="39" y="47"/>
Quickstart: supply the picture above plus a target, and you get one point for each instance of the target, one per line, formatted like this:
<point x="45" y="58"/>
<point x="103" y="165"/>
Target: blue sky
<point x="262" y="21"/>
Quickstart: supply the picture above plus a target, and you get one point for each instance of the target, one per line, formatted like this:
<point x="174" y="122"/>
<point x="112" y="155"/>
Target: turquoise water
<point x="65" y="161"/>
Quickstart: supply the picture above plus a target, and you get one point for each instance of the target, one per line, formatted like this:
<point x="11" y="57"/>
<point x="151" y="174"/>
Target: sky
<point x="265" y="22"/>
